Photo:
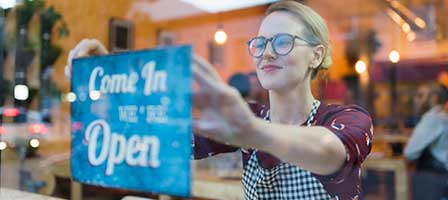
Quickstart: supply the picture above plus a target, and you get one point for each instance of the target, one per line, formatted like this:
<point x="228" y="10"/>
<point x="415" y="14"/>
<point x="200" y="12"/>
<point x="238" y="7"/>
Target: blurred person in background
<point x="296" y="148"/>
<point x="242" y="83"/>
<point x="257" y="93"/>
<point x="424" y="99"/>
<point x="428" y="149"/>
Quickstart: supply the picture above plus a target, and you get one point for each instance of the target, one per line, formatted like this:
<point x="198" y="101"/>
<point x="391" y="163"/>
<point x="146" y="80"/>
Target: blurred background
<point x="389" y="57"/>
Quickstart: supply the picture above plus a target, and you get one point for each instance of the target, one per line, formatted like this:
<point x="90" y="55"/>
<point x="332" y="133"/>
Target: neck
<point x="292" y="106"/>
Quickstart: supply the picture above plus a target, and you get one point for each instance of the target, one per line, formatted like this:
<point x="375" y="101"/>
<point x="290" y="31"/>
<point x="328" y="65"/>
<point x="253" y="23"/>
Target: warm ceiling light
<point x="220" y="37"/>
<point x="360" y="67"/>
<point x="401" y="15"/>
<point x="394" y="16"/>
<point x="221" y="6"/>
<point x="406" y="28"/>
<point x="420" y="23"/>
<point x="395" y="4"/>
<point x="411" y="36"/>
<point x="394" y="56"/>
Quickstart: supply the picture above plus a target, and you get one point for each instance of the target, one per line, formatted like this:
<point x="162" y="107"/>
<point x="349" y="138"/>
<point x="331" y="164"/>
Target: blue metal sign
<point x="131" y="120"/>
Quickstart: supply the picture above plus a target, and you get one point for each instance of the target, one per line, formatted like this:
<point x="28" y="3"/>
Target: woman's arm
<point x="315" y="149"/>
<point x="226" y="118"/>
<point x="338" y="144"/>
<point x="204" y="147"/>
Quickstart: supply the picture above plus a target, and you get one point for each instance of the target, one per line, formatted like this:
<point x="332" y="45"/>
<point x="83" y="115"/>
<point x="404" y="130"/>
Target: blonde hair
<point x="316" y="31"/>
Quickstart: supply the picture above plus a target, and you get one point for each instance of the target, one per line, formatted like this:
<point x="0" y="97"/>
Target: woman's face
<point x="286" y="72"/>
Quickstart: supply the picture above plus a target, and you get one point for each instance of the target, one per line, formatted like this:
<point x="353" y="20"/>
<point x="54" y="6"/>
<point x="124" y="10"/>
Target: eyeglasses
<point x="282" y="44"/>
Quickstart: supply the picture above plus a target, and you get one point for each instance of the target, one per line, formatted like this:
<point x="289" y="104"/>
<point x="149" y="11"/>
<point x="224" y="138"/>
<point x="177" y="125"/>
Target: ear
<point x="318" y="56"/>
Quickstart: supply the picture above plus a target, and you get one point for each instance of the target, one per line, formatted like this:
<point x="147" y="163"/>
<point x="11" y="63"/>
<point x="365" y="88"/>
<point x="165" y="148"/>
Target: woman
<point x="298" y="149"/>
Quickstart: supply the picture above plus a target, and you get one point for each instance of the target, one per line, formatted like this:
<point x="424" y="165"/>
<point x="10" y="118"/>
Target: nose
<point x="269" y="51"/>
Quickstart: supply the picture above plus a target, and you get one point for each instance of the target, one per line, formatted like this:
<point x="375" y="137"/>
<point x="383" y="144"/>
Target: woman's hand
<point x="87" y="47"/>
<point x="224" y="115"/>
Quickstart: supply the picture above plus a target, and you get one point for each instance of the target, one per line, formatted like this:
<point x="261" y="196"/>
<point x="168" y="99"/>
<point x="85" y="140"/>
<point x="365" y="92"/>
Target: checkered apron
<point x="284" y="181"/>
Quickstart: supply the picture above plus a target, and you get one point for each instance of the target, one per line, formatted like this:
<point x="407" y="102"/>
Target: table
<point x="213" y="187"/>
<point x="204" y="185"/>
<point x="6" y="193"/>
<point x="398" y="166"/>
<point x="207" y="186"/>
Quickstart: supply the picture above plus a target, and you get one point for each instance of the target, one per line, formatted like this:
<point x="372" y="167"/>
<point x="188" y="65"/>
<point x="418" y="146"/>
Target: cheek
<point x="257" y="62"/>
<point x="296" y="59"/>
<point x="298" y="62"/>
<point x="295" y="66"/>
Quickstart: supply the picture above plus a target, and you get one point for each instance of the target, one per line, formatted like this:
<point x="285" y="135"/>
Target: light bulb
<point x="220" y="37"/>
<point x="360" y="67"/>
<point x="394" y="56"/>
<point x="410" y="36"/>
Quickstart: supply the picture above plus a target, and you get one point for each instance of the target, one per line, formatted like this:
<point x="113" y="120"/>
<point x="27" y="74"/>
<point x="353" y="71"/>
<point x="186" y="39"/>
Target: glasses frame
<point x="271" y="39"/>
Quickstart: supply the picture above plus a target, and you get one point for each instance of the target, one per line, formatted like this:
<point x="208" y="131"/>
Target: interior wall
<point x="240" y="26"/>
<point x="90" y="19"/>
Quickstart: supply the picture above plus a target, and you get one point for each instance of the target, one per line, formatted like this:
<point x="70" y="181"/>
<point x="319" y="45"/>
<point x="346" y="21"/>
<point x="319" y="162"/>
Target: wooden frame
<point x="121" y="35"/>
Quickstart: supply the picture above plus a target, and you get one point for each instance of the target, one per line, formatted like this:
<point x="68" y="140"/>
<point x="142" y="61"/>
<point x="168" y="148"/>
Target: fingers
<point x="211" y="130"/>
<point x="203" y="128"/>
<point x="203" y="80"/>
<point x="205" y="67"/>
<point x="91" y="47"/>
<point x="68" y="67"/>
<point x="197" y="130"/>
<point x="208" y="91"/>
<point x="86" y="47"/>
<point x="203" y="99"/>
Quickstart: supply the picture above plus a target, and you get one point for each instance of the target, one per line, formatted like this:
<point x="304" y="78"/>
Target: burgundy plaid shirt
<point x="351" y="124"/>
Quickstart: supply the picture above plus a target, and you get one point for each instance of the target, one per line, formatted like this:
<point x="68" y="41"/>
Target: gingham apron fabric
<point x="284" y="181"/>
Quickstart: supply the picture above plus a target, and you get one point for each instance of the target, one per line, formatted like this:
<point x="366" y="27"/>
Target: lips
<point x="270" y="67"/>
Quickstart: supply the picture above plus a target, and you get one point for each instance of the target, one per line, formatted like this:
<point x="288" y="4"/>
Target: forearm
<point x="315" y="149"/>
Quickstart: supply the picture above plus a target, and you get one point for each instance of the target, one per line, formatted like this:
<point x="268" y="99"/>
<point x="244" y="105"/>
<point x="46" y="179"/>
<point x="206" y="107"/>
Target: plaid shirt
<point x="351" y="124"/>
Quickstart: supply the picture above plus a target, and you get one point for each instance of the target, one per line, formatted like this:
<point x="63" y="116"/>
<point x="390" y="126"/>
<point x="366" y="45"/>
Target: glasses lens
<point x="283" y="44"/>
<point x="256" y="46"/>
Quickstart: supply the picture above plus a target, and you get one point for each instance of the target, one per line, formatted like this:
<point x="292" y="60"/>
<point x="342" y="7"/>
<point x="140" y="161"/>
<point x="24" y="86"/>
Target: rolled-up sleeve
<point x="204" y="147"/>
<point x="353" y="126"/>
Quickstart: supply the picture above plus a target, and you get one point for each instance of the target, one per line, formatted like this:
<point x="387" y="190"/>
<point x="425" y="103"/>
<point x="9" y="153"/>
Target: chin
<point x="271" y="85"/>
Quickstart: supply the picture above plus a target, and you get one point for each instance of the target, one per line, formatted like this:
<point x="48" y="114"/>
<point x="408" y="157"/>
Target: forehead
<point x="281" y="22"/>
